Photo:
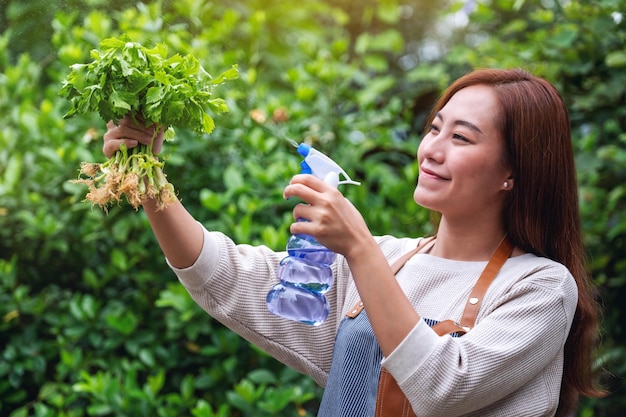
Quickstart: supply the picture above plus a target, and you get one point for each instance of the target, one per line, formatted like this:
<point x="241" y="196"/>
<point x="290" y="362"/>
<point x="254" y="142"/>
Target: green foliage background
<point x="93" y="323"/>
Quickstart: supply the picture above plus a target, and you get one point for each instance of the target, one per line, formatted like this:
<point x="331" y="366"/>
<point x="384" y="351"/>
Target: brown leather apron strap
<point x="499" y="257"/>
<point x="399" y="263"/>
<point x="447" y="327"/>
<point x="395" y="267"/>
<point x="390" y="399"/>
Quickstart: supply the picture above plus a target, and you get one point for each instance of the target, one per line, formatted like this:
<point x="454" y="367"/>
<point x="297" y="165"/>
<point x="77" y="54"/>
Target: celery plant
<point x="126" y="78"/>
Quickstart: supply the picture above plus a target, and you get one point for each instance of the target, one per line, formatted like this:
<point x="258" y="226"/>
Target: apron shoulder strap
<point x="399" y="263"/>
<point x="395" y="267"/>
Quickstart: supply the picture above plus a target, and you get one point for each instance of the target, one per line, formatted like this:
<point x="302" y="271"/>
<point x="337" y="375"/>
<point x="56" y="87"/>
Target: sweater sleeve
<point x="513" y="354"/>
<point x="230" y="282"/>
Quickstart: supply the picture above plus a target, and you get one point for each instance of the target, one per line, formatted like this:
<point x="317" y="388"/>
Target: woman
<point x="497" y="165"/>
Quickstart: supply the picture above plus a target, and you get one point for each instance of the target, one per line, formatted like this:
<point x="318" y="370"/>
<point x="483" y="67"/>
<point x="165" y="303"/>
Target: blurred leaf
<point x="616" y="59"/>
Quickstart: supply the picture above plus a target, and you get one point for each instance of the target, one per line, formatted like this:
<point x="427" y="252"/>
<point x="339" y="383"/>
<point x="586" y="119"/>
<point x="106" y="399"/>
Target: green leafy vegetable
<point x="126" y="78"/>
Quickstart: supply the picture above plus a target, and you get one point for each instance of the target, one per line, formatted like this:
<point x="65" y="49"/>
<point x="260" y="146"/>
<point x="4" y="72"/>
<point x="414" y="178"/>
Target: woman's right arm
<point x="178" y="233"/>
<point x="230" y="281"/>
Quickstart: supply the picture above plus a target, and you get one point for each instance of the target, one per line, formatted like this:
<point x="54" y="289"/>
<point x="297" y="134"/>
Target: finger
<point x="302" y="192"/>
<point x="303" y="224"/>
<point x="308" y="187"/>
<point x="147" y="135"/>
<point x="127" y="129"/>
<point x="310" y="181"/>
<point x="113" y="145"/>
<point x="291" y="190"/>
<point x="130" y="130"/>
<point x="301" y="228"/>
<point x="303" y="212"/>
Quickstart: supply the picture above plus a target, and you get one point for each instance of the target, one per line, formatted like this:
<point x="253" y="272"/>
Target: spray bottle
<point x="305" y="274"/>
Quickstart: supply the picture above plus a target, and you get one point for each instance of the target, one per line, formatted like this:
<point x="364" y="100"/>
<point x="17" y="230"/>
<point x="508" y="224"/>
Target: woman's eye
<point x="460" y="137"/>
<point x="434" y="128"/>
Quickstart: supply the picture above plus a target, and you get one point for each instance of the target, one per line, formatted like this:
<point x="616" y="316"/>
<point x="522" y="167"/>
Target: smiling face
<point x="461" y="158"/>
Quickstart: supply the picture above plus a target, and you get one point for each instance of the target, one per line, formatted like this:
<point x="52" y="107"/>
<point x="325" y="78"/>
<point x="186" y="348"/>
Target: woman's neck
<point x="467" y="242"/>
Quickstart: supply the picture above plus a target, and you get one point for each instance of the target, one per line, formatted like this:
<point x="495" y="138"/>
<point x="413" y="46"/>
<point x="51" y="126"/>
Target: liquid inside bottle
<point x="305" y="275"/>
<point x="307" y="247"/>
<point x="298" y="304"/>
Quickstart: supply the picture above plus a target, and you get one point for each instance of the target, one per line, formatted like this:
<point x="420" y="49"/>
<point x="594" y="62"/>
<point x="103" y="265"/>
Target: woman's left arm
<point x="514" y="354"/>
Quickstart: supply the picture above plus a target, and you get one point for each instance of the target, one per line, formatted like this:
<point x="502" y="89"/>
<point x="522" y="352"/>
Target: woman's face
<point x="461" y="157"/>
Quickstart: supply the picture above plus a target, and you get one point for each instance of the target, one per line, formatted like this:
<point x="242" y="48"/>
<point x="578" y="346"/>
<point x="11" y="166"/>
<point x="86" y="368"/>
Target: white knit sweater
<point x="509" y="364"/>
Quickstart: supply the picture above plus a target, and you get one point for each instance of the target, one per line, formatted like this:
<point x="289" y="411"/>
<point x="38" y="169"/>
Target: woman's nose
<point x="432" y="147"/>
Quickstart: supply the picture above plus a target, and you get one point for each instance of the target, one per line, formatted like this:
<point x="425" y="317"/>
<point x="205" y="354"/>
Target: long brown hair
<point x="542" y="214"/>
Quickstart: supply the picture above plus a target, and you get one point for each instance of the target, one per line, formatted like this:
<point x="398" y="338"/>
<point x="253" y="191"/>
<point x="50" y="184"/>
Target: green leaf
<point x="246" y="391"/>
<point x="517" y="6"/>
<point x="233" y="179"/>
<point x="389" y="40"/>
<point x="125" y="322"/>
<point x="147" y="357"/>
<point x="616" y="59"/>
<point x="155" y="382"/>
<point x="112" y="43"/>
<point x="155" y="94"/>
<point x="228" y="75"/>
<point x="187" y="387"/>
<point x="13" y="173"/>
<point x="119" y="103"/>
<point x="210" y="199"/>
<point x="119" y="259"/>
<point x="218" y="105"/>
<point x="208" y="124"/>
<point x="262" y="376"/>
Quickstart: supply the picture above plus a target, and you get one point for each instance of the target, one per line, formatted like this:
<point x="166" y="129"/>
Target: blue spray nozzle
<point x="304" y="149"/>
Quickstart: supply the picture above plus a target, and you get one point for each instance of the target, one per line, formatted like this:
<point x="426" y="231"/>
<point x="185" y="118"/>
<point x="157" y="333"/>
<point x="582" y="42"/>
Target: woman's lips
<point x="432" y="174"/>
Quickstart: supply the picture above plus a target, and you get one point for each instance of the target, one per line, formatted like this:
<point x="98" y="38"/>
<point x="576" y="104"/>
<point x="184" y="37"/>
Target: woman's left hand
<point x="332" y="219"/>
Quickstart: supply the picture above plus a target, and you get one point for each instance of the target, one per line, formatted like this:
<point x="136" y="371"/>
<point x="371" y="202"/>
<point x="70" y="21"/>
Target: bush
<point x="93" y="321"/>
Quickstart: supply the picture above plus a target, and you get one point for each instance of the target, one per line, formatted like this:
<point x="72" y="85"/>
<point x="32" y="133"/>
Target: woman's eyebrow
<point x="461" y="123"/>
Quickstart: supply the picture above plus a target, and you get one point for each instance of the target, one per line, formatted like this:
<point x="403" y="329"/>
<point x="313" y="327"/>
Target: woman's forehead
<point x="477" y="105"/>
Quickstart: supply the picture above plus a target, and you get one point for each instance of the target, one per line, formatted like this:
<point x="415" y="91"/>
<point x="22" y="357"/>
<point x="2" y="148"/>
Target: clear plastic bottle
<point x="306" y="274"/>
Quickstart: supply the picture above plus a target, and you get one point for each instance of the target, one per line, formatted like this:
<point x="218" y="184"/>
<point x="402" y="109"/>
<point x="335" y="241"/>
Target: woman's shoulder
<point x="536" y="264"/>
<point x="534" y="270"/>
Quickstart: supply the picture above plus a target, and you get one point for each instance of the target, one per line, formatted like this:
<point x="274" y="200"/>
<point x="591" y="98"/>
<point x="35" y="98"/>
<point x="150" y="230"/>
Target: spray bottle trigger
<point x="305" y="168"/>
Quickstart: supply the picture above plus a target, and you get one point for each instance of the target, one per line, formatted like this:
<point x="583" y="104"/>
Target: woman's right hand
<point x="128" y="132"/>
